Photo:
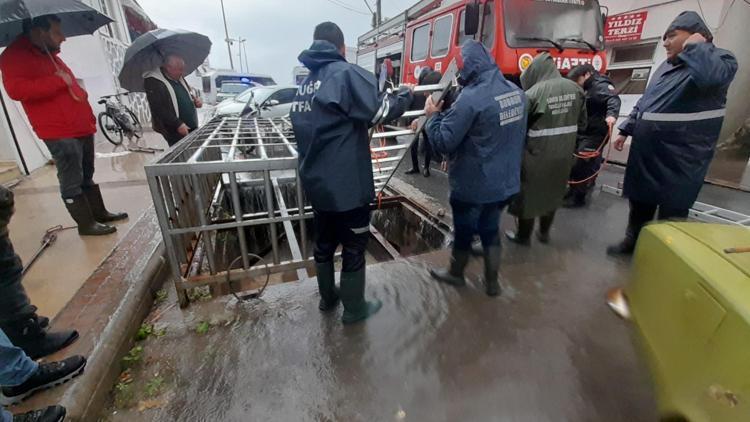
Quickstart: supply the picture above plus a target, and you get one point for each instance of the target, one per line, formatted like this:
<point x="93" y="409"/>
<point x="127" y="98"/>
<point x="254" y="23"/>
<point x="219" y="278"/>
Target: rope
<point x="587" y="155"/>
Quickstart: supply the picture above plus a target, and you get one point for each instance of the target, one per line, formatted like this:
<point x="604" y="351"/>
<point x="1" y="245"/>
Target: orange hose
<point x="595" y="154"/>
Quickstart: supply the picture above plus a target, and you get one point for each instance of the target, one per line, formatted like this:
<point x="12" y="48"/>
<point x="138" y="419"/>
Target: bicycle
<point x="118" y="121"/>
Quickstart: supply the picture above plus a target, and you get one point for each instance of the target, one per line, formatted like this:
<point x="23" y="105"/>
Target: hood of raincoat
<point x="320" y="54"/>
<point x="476" y="60"/>
<point x="690" y="22"/>
<point x="542" y="68"/>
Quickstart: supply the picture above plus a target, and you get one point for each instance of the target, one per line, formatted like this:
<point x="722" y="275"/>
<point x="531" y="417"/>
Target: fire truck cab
<point x="513" y="30"/>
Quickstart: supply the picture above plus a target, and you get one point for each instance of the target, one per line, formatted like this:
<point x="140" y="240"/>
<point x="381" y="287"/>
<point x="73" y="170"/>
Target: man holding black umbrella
<point x="60" y="114"/>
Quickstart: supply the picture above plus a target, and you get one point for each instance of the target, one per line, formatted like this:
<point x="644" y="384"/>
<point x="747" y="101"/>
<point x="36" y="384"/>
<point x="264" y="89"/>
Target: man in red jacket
<point x="61" y="116"/>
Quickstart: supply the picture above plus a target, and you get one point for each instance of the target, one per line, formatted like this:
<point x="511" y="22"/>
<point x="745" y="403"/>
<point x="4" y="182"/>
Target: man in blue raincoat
<point x="675" y="126"/>
<point x="483" y="134"/>
<point x="331" y="114"/>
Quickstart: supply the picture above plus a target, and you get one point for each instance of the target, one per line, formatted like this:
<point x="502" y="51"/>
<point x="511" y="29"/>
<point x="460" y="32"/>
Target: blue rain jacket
<point x="331" y="114"/>
<point x="676" y="124"/>
<point x="483" y="133"/>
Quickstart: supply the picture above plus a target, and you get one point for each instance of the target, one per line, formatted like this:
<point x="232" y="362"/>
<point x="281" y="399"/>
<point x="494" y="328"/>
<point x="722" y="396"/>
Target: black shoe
<point x="574" y="202"/>
<point x="50" y="414"/>
<point x="31" y="334"/>
<point x="46" y="376"/>
<point x="624" y="248"/>
<point x="454" y="274"/>
<point x="412" y="171"/>
<point x="515" y="238"/>
<point x="426" y="172"/>
<point x="78" y="207"/>
<point x="96" y="203"/>
<point x="329" y="295"/>
<point x="356" y="308"/>
<point x="543" y="237"/>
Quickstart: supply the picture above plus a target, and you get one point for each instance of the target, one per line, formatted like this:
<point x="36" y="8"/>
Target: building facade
<point x="96" y="61"/>
<point x="634" y="51"/>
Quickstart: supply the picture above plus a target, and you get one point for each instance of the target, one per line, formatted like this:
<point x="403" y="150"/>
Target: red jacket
<point x="29" y="77"/>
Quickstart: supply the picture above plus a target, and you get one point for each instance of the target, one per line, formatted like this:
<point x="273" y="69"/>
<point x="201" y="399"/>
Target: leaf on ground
<point x="202" y="327"/>
<point x="151" y="404"/>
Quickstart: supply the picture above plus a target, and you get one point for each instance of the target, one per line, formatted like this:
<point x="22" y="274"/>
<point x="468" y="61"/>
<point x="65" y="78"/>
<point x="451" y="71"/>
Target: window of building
<point x="488" y="24"/>
<point x="441" y="36"/>
<point x="106" y="29"/>
<point x="633" y="53"/>
<point x="630" y="81"/>
<point x="420" y="43"/>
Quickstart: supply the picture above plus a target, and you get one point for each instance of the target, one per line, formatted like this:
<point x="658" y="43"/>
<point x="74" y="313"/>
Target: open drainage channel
<point x="399" y="228"/>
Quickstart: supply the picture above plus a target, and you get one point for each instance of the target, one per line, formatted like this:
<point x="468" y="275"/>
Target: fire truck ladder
<point x="703" y="212"/>
<point x="389" y="144"/>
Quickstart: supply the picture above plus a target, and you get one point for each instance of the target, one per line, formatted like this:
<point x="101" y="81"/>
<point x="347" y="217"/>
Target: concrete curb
<point x="85" y="399"/>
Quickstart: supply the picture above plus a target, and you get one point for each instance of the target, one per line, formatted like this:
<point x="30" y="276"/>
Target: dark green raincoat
<point x="557" y="109"/>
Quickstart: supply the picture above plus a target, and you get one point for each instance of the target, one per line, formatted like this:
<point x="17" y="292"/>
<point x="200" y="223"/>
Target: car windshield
<point x="260" y="94"/>
<point x="245" y="96"/>
<point x="570" y="24"/>
<point x="232" y="88"/>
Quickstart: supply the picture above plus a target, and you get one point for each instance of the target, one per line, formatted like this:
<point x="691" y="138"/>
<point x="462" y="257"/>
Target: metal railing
<point x="229" y="193"/>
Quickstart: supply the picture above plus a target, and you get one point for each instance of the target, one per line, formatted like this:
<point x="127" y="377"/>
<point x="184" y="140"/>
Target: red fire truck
<point x="430" y="34"/>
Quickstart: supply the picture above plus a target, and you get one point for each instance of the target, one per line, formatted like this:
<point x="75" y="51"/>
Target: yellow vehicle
<point x="689" y="297"/>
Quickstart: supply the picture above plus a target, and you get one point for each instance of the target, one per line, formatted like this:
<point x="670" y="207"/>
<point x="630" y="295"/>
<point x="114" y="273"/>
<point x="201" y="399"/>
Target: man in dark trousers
<point x="483" y="134"/>
<point x="60" y="114"/>
<point x="334" y="107"/>
<point x="18" y="317"/>
<point x="427" y="77"/>
<point x="173" y="106"/>
<point x="675" y="126"/>
<point x="603" y="108"/>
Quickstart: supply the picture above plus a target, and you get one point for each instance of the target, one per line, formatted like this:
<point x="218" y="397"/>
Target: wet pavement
<point x="58" y="274"/>
<point x="547" y="350"/>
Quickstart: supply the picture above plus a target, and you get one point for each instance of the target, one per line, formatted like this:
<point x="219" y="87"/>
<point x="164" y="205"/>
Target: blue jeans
<point x="15" y="369"/>
<point x="482" y="219"/>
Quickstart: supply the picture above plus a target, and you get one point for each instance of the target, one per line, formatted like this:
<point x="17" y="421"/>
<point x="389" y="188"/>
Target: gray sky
<point x="276" y="30"/>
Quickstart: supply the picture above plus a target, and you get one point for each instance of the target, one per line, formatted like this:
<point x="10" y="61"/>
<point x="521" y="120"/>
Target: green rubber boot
<point x="356" y="308"/>
<point x="329" y="295"/>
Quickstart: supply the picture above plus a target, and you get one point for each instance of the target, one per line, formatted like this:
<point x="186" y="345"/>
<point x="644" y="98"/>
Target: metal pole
<point x="378" y="13"/>
<point x="226" y="32"/>
<point x="247" y="64"/>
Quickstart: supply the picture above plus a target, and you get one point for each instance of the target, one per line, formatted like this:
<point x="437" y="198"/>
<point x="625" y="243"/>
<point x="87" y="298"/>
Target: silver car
<point x="261" y="101"/>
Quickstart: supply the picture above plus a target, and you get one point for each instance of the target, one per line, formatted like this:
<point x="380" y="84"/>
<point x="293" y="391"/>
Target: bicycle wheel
<point x="110" y="128"/>
<point x="138" y="132"/>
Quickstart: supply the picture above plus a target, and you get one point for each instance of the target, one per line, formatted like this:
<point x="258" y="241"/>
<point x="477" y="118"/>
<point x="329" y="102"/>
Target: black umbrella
<point x="77" y="18"/>
<point x="149" y="50"/>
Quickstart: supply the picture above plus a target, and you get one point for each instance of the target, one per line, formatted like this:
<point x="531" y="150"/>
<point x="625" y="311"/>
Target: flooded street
<point x="547" y="350"/>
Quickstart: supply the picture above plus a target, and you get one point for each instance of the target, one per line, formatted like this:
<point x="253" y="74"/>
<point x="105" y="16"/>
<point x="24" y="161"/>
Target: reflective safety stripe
<point x="361" y="230"/>
<point x="554" y="131"/>
<point x="684" y="117"/>
<point x="383" y="111"/>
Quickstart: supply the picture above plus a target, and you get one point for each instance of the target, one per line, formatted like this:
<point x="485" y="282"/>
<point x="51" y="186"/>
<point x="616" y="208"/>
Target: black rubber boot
<point x="49" y="414"/>
<point x="352" y="293"/>
<point x="522" y="235"/>
<point x="624" y="248"/>
<point x="31" y="335"/>
<point x="426" y="172"/>
<point x="329" y="296"/>
<point x="454" y="275"/>
<point x="491" y="268"/>
<point x="46" y="376"/>
<point x="96" y="203"/>
<point x="412" y="171"/>
<point x="78" y="207"/>
<point x="545" y="225"/>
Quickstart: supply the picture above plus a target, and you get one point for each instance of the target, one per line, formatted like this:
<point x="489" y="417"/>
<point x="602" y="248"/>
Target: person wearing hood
<point x="674" y="127"/>
<point x="557" y="112"/>
<point x="332" y="111"/>
<point x="603" y="108"/>
<point x="483" y="134"/>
